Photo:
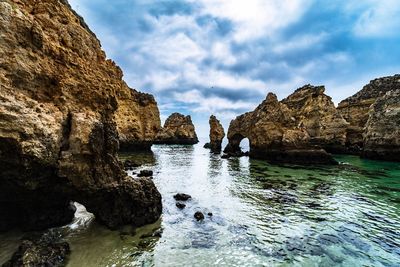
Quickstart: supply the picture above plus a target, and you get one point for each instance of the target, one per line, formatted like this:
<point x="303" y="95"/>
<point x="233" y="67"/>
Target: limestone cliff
<point x="382" y="131"/>
<point x="355" y="109"/>
<point x="217" y="134"/>
<point x="58" y="135"/>
<point x="178" y="129"/>
<point x="276" y="134"/>
<point x="137" y="118"/>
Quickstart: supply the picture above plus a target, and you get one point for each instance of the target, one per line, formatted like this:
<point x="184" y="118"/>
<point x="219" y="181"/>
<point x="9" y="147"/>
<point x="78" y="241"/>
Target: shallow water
<point x="262" y="215"/>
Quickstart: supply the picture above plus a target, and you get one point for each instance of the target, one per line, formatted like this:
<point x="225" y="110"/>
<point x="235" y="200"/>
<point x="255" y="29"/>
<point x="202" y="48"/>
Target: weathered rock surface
<point x="58" y="135"/>
<point x="355" y="109"/>
<point x="44" y="251"/>
<point x="217" y="134"/>
<point x="382" y="131"/>
<point x="293" y="130"/>
<point x="137" y="118"/>
<point x="178" y="129"/>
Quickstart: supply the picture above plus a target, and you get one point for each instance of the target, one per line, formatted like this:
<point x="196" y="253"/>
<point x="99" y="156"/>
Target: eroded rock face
<point x="292" y="130"/>
<point x="138" y="119"/>
<point x="217" y="134"/>
<point x="178" y="129"/>
<point x="382" y="131"/>
<point x="355" y="109"/>
<point x="58" y="132"/>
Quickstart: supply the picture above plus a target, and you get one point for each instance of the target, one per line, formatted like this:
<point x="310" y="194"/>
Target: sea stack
<point x="217" y="134"/>
<point x="293" y="130"/>
<point x="58" y="134"/>
<point x="356" y="109"/>
<point x="178" y="129"/>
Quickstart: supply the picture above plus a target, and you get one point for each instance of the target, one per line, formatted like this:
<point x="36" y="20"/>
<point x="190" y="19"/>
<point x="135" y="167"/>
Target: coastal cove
<point x="262" y="215"/>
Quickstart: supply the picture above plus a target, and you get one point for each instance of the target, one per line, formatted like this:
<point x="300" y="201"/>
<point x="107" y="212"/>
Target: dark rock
<point x="180" y="205"/>
<point x="42" y="252"/>
<point x="145" y="173"/>
<point x="129" y="165"/>
<point x="207" y="145"/>
<point x="199" y="216"/>
<point x="182" y="197"/>
<point x="210" y="214"/>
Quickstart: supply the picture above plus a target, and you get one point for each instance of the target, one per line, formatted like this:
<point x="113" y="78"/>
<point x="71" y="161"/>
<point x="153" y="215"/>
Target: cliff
<point x="58" y="132"/>
<point x="355" y="109"/>
<point x="178" y="129"/>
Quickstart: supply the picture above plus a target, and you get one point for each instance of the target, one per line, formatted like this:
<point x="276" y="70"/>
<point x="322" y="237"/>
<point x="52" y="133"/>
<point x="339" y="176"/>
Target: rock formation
<point x="355" y="109"/>
<point x="137" y="118"/>
<point x="382" y="131"/>
<point x="294" y="130"/>
<point x="217" y="134"/>
<point x="58" y="136"/>
<point x="178" y="129"/>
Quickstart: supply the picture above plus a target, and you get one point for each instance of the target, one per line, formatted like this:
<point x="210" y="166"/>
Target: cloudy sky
<point x="222" y="57"/>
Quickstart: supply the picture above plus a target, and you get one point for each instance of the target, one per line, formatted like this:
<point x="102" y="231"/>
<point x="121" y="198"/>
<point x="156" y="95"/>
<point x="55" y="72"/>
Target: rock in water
<point x="382" y="131"/>
<point x="58" y="134"/>
<point x="178" y="129"/>
<point x="199" y="216"/>
<point x="182" y="197"/>
<point x="217" y="134"/>
<point x="41" y="252"/>
<point x="285" y="131"/>
<point x="355" y="109"/>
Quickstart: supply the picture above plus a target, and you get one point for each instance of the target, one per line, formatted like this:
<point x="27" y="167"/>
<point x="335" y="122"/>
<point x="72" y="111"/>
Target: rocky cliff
<point x="178" y="129"/>
<point x="137" y="118"/>
<point x="279" y="131"/>
<point x="355" y="109"/>
<point x="217" y="134"/>
<point x="58" y="133"/>
<point x="382" y="131"/>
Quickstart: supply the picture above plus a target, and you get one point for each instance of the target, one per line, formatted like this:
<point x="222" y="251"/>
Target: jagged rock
<point x="287" y="131"/>
<point x="58" y="136"/>
<point x="217" y="134"/>
<point x="44" y="251"/>
<point x="355" y="109"/>
<point x="382" y="131"/>
<point x="178" y="129"/>
<point x="137" y="118"/>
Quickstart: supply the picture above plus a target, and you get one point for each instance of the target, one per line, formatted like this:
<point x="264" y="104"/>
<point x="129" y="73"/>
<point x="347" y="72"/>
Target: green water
<point x="263" y="215"/>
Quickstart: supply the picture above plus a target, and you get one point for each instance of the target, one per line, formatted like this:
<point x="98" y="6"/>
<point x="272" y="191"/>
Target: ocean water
<point x="262" y="215"/>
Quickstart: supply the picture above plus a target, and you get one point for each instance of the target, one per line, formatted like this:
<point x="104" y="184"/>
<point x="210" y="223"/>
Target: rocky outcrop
<point x="355" y="109"/>
<point x="178" y="129"/>
<point x="382" y="131"/>
<point x="58" y="133"/>
<point x="294" y="130"/>
<point x="137" y="118"/>
<point x="217" y="134"/>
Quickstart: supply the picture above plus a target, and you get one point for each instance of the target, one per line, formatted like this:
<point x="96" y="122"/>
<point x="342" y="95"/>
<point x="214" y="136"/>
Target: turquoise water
<point x="262" y="215"/>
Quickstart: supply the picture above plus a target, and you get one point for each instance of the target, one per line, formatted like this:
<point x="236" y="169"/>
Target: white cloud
<point x="256" y="18"/>
<point x="300" y="42"/>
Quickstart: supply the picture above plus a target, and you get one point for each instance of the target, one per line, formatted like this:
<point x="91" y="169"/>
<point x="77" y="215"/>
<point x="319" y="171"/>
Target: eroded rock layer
<point x="355" y="109"/>
<point x="382" y="131"/>
<point x="217" y="134"/>
<point x="294" y="130"/>
<point x="58" y="133"/>
<point x="178" y="129"/>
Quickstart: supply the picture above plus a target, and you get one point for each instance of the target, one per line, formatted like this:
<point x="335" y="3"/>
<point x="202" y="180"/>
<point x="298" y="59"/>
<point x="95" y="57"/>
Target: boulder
<point x="178" y="129"/>
<point x="58" y="134"/>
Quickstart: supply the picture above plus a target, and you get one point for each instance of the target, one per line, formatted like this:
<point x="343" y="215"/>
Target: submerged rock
<point x="289" y="131"/>
<point x="182" y="197"/>
<point x="217" y="134"/>
<point x="180" y="205"/>
<point x="356" y="109"/>
<point x="58" y="134"/>
<point x="178" y="129"/>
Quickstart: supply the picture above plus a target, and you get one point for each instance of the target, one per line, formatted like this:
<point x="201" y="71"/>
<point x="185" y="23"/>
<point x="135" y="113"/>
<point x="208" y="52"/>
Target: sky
<point x="222" y="57"/>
